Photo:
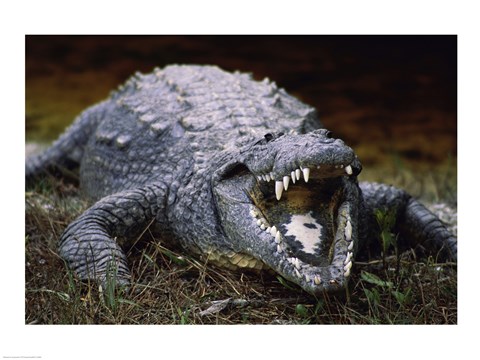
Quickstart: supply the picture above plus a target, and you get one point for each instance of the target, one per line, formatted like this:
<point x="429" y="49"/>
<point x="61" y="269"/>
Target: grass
<point x="169" y="287"/>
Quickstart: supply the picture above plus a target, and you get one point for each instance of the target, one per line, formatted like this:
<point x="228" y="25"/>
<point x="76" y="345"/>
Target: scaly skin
<point x="234" y="170"/>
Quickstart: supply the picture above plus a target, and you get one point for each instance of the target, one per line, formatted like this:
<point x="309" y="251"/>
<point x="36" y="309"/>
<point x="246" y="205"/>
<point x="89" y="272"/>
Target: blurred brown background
<point x="392" y="98"/>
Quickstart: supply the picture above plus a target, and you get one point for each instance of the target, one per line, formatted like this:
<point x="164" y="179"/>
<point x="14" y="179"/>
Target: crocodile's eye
<point x="329" y="134"/>
<point x="268" y="137"/>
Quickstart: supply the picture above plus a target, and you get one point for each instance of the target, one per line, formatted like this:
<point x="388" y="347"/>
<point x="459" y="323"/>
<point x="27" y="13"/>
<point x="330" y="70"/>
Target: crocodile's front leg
<point x="414" y="223"/>
<point x="88" y="244"/>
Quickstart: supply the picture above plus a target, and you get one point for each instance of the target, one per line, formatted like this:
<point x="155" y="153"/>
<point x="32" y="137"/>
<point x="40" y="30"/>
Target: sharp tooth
<point x="348" y="231"/>
<point x="264" y="178"/>
<point x="273" y="230"/>
<point x="292" y="175"/>
<point x="297" y="273"/>
<point x="348" y="266"/>
<point x="348" y="170"/>
<point x="253" y="213"/>
<point x="278" y="189"/>
<point x="259" y="222"/>
<point x="297" y="174"/>
<point x="307" y="278"/>
<point x="279" y="249"/>
<point x="268" y="229"/>
<point x="306" y="174"/>
<point x="348" y="258"/>
<point x="267" y="178"/>
<point x="286" y="181"/>
<point x="278" y="237"/>
<point x="317" y="280"/>
<point x="347" y="273"/>
<point x="263" y="227"/>
<point x="259" y="177"/>
<point x="350" y="247"/>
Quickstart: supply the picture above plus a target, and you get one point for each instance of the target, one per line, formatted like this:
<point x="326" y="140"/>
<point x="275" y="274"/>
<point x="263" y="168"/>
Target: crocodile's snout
<point x="285" y="158"/>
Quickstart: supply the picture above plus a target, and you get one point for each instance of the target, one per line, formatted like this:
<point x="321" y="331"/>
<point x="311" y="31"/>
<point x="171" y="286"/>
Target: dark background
<point x="389" y="97"/>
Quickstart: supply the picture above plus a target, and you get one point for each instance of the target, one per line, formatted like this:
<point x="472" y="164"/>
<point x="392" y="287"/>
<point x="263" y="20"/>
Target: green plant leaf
<point x="301" y="310"/>
<point x="375" y="280"/>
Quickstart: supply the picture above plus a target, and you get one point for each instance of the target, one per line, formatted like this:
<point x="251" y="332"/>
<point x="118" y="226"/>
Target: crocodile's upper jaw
<point x="303" y="228"/>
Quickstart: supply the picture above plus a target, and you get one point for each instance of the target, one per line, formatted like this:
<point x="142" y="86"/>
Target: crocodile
<point x="234" y="171"/>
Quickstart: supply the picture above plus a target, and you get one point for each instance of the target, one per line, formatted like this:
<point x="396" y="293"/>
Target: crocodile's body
<point x="203" y="155"/>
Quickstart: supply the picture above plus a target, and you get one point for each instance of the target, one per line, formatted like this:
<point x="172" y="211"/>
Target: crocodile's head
<point x="291" y="202"/>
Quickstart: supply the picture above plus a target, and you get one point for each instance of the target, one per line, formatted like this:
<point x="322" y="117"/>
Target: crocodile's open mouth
<point x="308" y="215"/>
<point x="303" y="226"/>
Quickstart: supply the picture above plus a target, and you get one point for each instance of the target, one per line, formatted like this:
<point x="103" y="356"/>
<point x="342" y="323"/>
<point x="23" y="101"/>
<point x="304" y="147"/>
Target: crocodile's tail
<point x="65" y="154"/>
<point x="417" y="226"/>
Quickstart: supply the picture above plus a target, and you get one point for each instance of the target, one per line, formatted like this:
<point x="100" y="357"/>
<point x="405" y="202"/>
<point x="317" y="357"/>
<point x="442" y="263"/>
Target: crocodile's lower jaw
<point x="312" y="228"/>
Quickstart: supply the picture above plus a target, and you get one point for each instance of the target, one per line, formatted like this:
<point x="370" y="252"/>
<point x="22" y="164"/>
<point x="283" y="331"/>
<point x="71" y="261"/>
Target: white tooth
<point x="278" y="189"/>
<point x="306" y="174"/>
<point x="317" y="280"/>
<point x="318" y="166"/>
<point x="262" y="226"/>
<point x="278" y="238"/>
<point x="271" y="176"/>
<point x="297" y="273"/>
<point x="347" y="273"/>
<point x="264" y="178"/>
<point x="253" y="213"/>
<point x="350" y="247"/>
<point x="259" y="177"/>
<point x="273" y="230"/>
<point x="259" y="222"/>
<point x="279" y="249"/>
<point x="286" y="181"/>
<point x="348" y="266"/>
<point x="348" y="258"/>
<point x="348" y="231"/>
<point x="267" y="178"/>
<point x="348" y="170"/>
<point x="341" y="166"/>
<point x="268" y="229"/>
<point x="297" y="174"/>
<point x="292" y="175"/>
<point x="307" y="278"/>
